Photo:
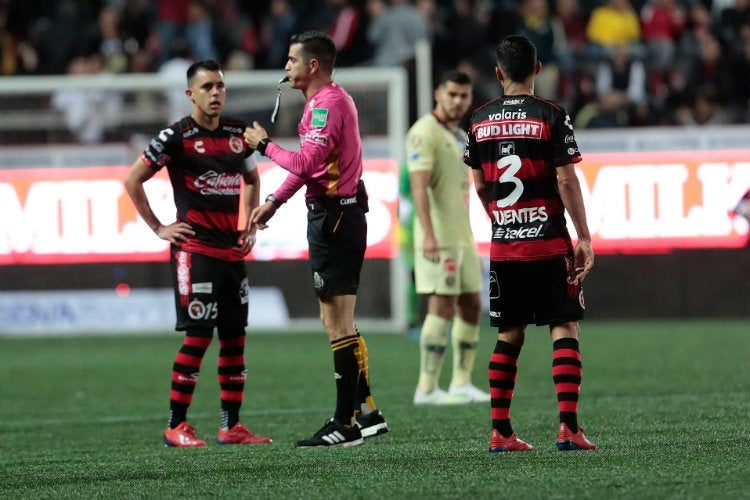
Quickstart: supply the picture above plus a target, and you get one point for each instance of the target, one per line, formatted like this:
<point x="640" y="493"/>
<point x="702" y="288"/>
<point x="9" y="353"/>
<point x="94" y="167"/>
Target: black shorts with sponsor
<point x="544" y="292"/>
<point x="337" y="238"/>
<point x="209" y="292"/>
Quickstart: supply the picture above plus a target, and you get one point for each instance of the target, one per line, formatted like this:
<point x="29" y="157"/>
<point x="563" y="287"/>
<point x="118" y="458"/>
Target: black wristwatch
<point x="262" y="145"/>
<point x="272" y="199"/>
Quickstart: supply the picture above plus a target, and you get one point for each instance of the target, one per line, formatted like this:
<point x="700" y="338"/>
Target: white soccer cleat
<point x="439" y="397"/>
<point x="471" y="392"/>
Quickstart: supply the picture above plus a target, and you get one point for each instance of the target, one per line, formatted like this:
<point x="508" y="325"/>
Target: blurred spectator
<point x="141" y="61"/>
<point x="464" y="34"/>
<point x="546" y="32"/>
<point x="706" y="82"/>
<point x="681" y="57"/>
<point x="136" y="21"/>
<point x="234" y="32"/>
<point x="59" y="36"/>
<point x="278" y="27"/>
<point x="395" y="28"/>
<point x="187" y="19"/>
<point x="607" y="111"/>
<point x="239" y="60"/>
<point x="733" y="20"/>
<point x="176" y="69"/>
<point x="662" y="22"/>
<point x="704" y="109"/>
<point x="348" y="31"/>
<point x="8" y="56"/>
<point x="623" y="74"/>
<point x="614" y="22"/>
<point x="698" y="25"/>
<point x="711" y="69"/>
<point x="485" y="84"/>
<point x="108" y="41"/>
<point x="739" y="66"/>
<point x="88" y="112"/>
<point x="571" y="54"/>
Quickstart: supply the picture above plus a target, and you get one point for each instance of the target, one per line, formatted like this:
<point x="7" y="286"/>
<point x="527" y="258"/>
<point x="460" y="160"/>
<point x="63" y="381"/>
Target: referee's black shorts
<point x="543" y="292"/>
<point x="337" y="238"/>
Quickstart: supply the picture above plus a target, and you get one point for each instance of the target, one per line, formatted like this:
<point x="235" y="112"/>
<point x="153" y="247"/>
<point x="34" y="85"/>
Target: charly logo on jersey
<point x="236" y="144"/>
<point x="212" y="182"/>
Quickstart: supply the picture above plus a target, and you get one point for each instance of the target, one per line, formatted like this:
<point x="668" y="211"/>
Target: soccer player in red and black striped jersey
<point x="522" y="152"/>
<point x="208" y="162"/>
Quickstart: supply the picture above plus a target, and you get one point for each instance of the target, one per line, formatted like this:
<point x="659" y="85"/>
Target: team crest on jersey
<point x="236" y="145"/>
<point x="507" y="148"/>
<point x="319" y="117"/>
<point x="449" y="266"/>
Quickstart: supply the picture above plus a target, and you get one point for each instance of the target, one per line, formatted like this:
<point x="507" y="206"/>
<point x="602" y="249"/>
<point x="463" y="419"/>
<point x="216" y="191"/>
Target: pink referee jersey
<point x="329" y="161"/>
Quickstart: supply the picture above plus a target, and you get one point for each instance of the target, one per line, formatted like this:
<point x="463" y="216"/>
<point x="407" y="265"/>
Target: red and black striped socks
<point x="502" y="374"/>
<point x="567" y="371"/>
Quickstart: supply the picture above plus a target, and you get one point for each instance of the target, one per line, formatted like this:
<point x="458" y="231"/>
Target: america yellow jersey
<point x="431" y="146"/>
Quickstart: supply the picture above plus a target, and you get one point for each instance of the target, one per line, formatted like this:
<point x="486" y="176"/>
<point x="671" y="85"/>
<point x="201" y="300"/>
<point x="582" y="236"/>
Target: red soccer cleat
<point x="498" y="443"/>
<point x="182" y="436"/>
<point x="567" y="441"/>
<point x="239" y="434"/>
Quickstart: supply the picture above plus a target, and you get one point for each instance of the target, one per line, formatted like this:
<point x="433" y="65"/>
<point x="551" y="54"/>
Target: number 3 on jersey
<point x="511" y="164"/>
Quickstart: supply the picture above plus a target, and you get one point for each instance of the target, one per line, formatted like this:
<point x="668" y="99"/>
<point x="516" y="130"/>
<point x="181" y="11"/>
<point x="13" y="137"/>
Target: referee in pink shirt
<point x="329" y="164"/>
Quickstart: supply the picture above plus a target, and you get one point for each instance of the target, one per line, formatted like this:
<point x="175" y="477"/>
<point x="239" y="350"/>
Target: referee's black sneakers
<point x="333" y="433"/>
<point x="372" y="424"/>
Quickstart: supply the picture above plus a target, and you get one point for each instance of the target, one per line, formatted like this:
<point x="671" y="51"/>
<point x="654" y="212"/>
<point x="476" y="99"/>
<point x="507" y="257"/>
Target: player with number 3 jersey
<point x="522" y="152"/>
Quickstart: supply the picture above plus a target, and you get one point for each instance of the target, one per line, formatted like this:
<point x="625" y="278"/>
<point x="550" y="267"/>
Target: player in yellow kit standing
<point x="446" y="262"/>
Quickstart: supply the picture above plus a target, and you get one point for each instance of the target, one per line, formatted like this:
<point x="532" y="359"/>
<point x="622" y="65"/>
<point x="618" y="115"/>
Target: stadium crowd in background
<point x="612" y="63"/>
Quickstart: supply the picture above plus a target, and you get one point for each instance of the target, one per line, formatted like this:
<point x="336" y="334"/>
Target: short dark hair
<point x="317" y="45"/>
<point x="207" y="64"/>
<point x="516" y="56"/>
<point x="455" y="76"/>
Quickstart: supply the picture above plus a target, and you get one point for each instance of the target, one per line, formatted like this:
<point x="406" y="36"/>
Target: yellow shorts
<point x="459" y="271"/>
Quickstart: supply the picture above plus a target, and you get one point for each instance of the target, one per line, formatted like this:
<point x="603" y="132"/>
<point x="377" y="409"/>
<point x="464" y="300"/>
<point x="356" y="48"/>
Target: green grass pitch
<point x="668" y="403"/>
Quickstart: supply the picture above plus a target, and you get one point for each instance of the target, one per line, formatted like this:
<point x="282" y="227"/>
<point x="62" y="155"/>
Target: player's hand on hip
<point x="177" y="232"/>
<point x="246" y="241"/>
